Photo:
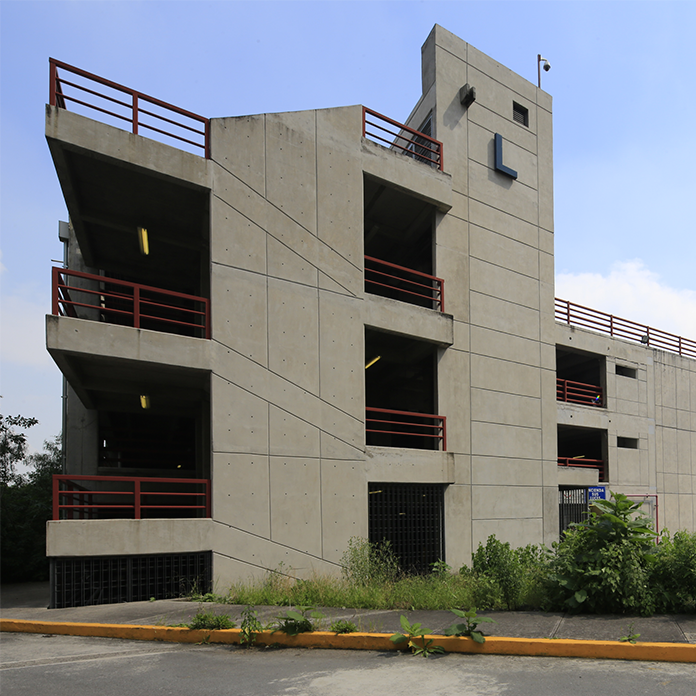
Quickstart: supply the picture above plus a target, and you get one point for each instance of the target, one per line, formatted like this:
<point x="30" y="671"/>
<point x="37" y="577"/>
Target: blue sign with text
<point x="597" y="493"/>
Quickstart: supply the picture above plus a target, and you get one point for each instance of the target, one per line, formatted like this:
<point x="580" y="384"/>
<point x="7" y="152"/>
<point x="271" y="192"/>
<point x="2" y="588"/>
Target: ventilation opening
<point x="85" y="581"/>
<point x="627" y="442"/>
<point x="626" y="371"/>
<point x="572" y="506"/>
<point x="410" y="516"/>
<point x="520" y="114"/>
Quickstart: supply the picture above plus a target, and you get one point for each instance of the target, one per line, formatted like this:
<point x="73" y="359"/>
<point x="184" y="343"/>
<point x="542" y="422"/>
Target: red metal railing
<point x="121" y="302"/>
<point x="425" y="428"/>
<point x="106" y="101"/>
<point x="127" y="496"/>
<point x="571" y="313"/>
<point x="579" y="393"/>
<point x="425" y="289"/>
<point x="584" y="464"/>
<point x="410" y="141"/>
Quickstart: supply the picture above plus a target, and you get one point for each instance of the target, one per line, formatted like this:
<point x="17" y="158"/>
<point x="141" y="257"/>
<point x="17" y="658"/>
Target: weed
<point x="413" y="633"/>
<point x="300" y="621"/>
<point x="250" y="626"/>
<point x="470" y="625"/>
<point x="208" y="620"/>
<point x="630" y="636"/>
<point x="440" y="568"/>
<point x="343" y="626"/>
<point x="365" y="562"/>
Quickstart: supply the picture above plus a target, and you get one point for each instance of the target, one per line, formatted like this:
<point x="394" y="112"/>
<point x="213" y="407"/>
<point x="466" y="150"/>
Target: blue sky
<point x="622" y="81"/>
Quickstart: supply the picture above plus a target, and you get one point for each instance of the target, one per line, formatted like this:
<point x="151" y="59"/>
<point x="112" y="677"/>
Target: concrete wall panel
<point x="295" y="515"/>
<point x="291" y="165"/>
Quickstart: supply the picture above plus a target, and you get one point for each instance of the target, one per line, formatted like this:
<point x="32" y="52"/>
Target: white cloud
<point x="631" y="291"/>
<point x="22" y="331"/>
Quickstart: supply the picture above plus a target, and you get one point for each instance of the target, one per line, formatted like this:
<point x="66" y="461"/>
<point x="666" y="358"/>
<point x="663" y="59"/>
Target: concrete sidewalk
<point x="28" y="602"/>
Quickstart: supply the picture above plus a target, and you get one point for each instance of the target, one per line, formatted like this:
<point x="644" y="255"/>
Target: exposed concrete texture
<point x="274" y="230"/>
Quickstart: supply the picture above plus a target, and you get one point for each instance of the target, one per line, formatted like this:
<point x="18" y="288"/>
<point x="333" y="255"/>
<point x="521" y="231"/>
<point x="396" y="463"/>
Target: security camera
<point x="547" y="65"/>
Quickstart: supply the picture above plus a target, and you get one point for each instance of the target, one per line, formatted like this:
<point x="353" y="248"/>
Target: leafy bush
<point x="673" y="574"/>
<point x="507" y="578"/>
<point x="603" y="564"/>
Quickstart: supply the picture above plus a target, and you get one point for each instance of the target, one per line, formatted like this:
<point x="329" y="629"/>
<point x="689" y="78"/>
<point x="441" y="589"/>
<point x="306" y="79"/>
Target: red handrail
<point x="579" y="393"/>
<point x="410" y="141"/>
<point x="584" y="464"/>
<point x="432" y="291"/>
<point x="571" y="313"/>
<point x="133" y="499"/>
<point x="58" y="97"/>
<point x="133" y="303"/>
<point x="399" y="425"/>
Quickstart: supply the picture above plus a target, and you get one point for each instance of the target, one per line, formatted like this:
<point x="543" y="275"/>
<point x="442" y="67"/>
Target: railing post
<point x="135" y="113"/>
<point x="53" y="75"/>
<point x="442" y="295"/>
<point x="611" y="324"/>
<point x="207" y="319"/>
<point x="136" y="501"/>
<point x="207" y="139"/>
<point x="54" y="293"/>
<point x="207" y="499"/>
<point x="136" y="307"/>
<point x="444" y="433"/>
<point x="363" y="122"/>
<point x="56" y="494"/>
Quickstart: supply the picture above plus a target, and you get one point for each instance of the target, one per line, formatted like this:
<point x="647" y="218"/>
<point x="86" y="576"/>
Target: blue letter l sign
<point x="499" y="158"/>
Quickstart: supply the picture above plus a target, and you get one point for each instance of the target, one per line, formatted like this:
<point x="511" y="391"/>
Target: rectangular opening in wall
<point x="580" y="377"/>
<point x="627" y="442"/>
<point x="401" y="393"/>
<point x="520" y="114"/>
<point x="398" y="239"/>
<point x="89" y="580"/>
<point x="626" y="371"/>
<point x="410" y="516"/>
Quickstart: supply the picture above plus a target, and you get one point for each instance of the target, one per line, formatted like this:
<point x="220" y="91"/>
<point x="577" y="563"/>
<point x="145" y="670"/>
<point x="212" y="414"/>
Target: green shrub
<point x="603" y="565"/>
<point x="343" y="626"/>
<point x="673" y="573"/>
<point x="506" y="578"/>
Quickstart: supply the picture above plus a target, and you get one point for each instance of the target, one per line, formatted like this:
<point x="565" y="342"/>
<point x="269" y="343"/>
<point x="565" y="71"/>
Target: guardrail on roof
<point x="97" y="93"/>
<point x="410" y="141"/>
<point x="571" y="313"/>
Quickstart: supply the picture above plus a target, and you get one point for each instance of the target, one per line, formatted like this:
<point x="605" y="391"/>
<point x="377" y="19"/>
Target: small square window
<point x="626" y="371"/>
<point x="520" y="114"/>
<point x="627" y="442"/>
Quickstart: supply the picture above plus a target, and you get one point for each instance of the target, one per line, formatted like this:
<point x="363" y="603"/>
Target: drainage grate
<point x="84" y="581"/>
<point x="572" y="504"/>
<point x="411" y="517"/>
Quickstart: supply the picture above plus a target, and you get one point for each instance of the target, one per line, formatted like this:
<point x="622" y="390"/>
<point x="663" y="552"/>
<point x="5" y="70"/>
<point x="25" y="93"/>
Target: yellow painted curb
<point x="539" y="647"/>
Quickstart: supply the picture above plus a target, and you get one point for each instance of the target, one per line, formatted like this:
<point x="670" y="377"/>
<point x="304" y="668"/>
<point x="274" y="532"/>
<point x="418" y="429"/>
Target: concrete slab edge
<point x="538" y="647"/>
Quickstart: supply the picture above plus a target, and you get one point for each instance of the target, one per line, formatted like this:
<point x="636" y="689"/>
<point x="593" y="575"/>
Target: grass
<point x="448" y="591"/>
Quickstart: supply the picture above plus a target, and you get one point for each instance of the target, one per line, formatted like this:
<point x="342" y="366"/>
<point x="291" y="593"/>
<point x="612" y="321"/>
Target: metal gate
<point x="411" y="517"/>
<point x="572" y="506"/>
<point x="84" y="581"/>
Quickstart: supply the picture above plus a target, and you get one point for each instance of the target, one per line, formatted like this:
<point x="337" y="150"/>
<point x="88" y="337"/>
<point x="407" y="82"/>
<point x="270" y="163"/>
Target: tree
<point x="13" y="445"/>
<point x="26" y="502"/>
